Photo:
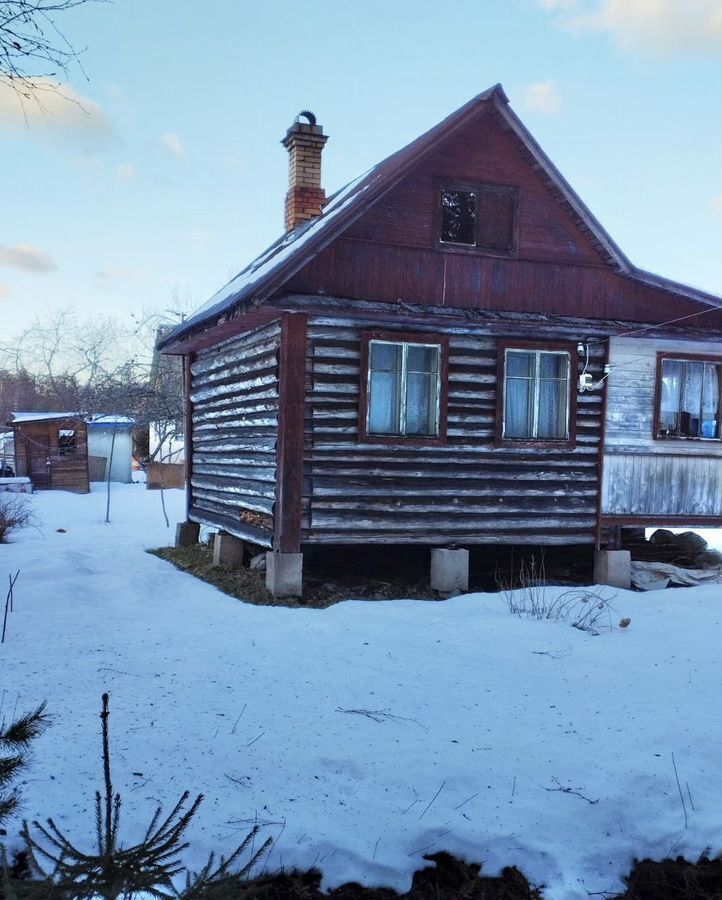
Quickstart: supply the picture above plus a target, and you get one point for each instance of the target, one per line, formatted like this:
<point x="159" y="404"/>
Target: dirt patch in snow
<point x="322" y="585"/>
<point x="447" y="878"/>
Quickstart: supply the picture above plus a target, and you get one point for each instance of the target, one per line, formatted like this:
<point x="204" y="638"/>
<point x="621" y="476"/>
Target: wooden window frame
<point x="406" y="337"/>
<point x="478" y="187"/>
<point x="657" y="418"/>
<point x="568" y="443"/>
<point x="67" y="449"/>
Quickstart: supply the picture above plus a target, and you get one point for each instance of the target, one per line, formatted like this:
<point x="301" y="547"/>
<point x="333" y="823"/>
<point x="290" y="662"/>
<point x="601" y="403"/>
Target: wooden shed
<point x="430" y="357"/>
<point x="51" y="448"/>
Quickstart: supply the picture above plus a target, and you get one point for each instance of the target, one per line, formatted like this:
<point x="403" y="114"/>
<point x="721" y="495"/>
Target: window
<point x="536" y="398"/>
<point x="478" y="216"/>
<point x="688" y="397"/>
<point x="66" y="441"/>
<point x="402" y="389"/>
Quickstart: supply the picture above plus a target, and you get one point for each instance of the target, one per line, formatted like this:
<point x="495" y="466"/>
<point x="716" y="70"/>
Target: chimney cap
<point x="309" y="127"/>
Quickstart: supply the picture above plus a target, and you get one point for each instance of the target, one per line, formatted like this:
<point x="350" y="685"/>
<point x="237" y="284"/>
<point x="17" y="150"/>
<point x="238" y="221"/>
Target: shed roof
<point x="296" y="248"/>
<point x="104" y="420"/>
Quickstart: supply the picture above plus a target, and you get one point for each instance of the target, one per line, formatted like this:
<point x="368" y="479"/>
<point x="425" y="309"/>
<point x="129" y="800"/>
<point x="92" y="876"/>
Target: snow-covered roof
<point x="42" y="416"/>
<point x="110" y="420"/>
<point x="19" y="417"/>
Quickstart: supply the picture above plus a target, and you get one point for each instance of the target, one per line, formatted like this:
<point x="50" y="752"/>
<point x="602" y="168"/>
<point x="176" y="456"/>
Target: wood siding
<point x="469" y="491"/>
<point x="234" y="397"/>
<point x="645" y="477"/>
<point x="36" y="445"/>
<point x="392" y="250"/>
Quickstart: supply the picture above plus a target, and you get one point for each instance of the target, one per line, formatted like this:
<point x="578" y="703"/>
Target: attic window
<point x="482" y="216"/>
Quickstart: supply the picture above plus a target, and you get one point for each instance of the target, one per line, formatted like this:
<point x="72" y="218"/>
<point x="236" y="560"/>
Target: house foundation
<point x="449" y="571"/>
<point x="613" y="567"/>
<point x="284" y="574"/>
<point x="187" y="534"/>
<point x="227" y="550"/>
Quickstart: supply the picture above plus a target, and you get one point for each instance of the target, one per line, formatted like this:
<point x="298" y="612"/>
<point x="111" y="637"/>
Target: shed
<point x="68" y="450"/>
<point x="51" y="448"/>
<point x="445" y="353"/>
<point x="110" y="441"/>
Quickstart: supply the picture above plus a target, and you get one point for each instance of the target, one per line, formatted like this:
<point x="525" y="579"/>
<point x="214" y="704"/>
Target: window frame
<point x="568" y="443"/>
<point x="657" y="416"/>
<point x="67" y="449"/>
<point x="478" y="188"/>
<point x="403" y="337"/>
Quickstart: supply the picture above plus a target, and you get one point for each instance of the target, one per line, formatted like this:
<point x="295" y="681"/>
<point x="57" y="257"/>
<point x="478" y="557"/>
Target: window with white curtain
<point x="403" y="388"/>
<point x="536" y="395"/>
<point x="689" y="398"/>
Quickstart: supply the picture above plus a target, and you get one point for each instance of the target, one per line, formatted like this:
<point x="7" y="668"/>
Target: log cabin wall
<point x="469" y="491"/>
<point x="234" y="396"/>
<point x="662" y="480"/>
<point x="38" y="455"/>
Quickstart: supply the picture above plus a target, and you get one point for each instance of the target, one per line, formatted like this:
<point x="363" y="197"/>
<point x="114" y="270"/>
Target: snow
<point x="481" y="718"/>
<point x="42" y="416"/>
<point x="19" y="417"/>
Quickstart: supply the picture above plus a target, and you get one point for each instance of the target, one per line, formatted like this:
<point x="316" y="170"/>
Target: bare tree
<point x="33" y="45"/>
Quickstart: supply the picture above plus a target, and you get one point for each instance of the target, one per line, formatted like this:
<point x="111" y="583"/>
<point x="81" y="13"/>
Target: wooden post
<point x="289" y="447"/>
<point x="188" y="429"/>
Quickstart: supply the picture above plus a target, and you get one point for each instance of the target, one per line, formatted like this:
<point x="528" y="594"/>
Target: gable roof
<point x="296" y="248"/>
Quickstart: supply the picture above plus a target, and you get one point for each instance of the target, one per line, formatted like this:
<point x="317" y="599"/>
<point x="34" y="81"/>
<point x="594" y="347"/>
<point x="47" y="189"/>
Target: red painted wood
<point x="290" y="450"/>
<point x="367" y="271"/>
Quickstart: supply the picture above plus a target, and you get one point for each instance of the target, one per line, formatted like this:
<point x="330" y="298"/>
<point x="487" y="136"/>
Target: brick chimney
<point x="305" y="198"/>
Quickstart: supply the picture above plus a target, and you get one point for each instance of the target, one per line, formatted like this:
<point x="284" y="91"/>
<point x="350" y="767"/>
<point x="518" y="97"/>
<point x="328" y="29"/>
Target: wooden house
<point x="451" y="351"/>
<point x="51" y="448"/>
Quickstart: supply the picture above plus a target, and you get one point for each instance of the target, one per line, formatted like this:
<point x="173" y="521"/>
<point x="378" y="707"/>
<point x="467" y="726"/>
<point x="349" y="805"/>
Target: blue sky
<point x="169" y="177"/>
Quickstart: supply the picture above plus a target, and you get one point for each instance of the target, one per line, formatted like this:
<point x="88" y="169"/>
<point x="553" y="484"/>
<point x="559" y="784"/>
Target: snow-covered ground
<point x="482" y="720"/>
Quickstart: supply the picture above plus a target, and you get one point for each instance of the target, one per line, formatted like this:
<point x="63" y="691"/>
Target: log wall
<point x="234" y="397"/>
<point x="469" y="491"/>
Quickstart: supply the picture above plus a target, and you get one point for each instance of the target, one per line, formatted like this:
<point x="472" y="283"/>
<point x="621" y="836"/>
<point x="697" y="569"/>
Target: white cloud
<point x="199" y="236"/>
<point x="27" y="258"/>
<point x="52" y="107"/>
<point x="542" y="97"/>
<point x="4" y="291"/>
<point x="173" y="144"/>
<point x="125" y="172"/>
<point x="660" y="26"/>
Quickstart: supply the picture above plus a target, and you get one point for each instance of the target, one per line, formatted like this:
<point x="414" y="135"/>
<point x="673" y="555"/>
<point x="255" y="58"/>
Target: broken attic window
<point x="66" y="441"/>
<point x="458" y="217"/>
<point x="482" y="216"/>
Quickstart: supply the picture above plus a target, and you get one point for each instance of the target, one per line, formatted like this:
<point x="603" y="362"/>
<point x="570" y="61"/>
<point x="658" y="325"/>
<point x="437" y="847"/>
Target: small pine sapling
<point x="15" y="740"/>
<point x="118" y="873"/>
